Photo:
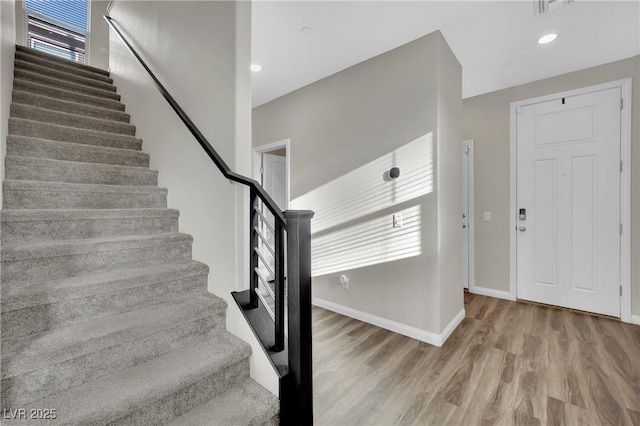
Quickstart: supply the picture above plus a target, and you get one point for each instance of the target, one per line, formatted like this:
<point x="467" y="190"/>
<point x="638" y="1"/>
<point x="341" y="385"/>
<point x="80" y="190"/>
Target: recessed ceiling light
<point x="255" y="67"/>
<point x="306" y="30"/>
<point x="547" y="38"/>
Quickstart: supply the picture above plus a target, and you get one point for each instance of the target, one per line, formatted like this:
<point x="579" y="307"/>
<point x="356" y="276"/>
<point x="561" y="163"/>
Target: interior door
<point x="274" y="181"/>
<point x="274" y="178"/>
<point x="465" y="216"/>
<point x="568" y="200"/>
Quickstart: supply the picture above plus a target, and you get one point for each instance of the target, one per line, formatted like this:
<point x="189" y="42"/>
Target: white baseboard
<point x="483" y="291"/>
<point x="396" y="327"/>
<point x="635" y="319"/>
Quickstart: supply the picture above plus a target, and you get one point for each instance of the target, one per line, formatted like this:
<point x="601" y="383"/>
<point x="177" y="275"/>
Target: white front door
<point x="568" y="201"/>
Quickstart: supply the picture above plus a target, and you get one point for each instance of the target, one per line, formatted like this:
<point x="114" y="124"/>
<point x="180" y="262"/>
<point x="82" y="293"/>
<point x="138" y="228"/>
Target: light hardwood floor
<point x="507" y="363"/>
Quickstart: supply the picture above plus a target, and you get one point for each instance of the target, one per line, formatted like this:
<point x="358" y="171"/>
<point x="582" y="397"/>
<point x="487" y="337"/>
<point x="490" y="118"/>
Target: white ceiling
<point x="495" y="41"/>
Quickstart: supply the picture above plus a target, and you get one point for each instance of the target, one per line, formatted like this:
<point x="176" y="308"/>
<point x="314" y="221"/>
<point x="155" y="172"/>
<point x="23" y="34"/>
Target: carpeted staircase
<point x="106" y="319"/>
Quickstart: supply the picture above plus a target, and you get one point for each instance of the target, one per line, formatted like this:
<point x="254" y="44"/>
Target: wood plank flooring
<point x="508" y="363"/>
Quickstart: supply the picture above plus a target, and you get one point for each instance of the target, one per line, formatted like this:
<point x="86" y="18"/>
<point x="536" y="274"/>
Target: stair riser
<point x="62" y="84"/>
<point x="81" y="229"/>
<point x="19" y="199"/>
<point x="37" y="384"/>
<point x="28" y="112"/>
<point x="66" y="95"/>
<point x="187" y="398"/>
<point x="26" y="98"/>
<point x="65" y="62"/>
<point x="81" y="175"/>
<point x="22" y="56"/>
<point x="69" y="76"/>
<point x="41" y="268"/>
<point x="46" y="317"/>
<point x="36" y="129"/>
<point x="74" y="152"/>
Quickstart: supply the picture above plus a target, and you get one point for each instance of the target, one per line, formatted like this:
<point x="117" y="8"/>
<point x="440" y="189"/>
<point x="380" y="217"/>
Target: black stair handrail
<point x="204" y="143"/>
<point x="290" y="355"/>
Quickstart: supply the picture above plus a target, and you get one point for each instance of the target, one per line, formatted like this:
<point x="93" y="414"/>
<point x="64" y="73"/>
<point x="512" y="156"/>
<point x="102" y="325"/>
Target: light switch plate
<point x="397" y="221"/>
<point x="487" y="216"/>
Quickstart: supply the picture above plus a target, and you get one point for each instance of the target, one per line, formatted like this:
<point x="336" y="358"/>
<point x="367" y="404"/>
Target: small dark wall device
<point x="394" y="172"/>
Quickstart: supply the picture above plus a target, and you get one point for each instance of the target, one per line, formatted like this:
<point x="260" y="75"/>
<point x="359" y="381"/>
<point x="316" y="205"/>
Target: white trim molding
<point x="483" y="291"/>
<point x="396" y="327"/>
<point x="470" y="144"/>
<point x="625" y="187"/>
<point x="635" y="319"/>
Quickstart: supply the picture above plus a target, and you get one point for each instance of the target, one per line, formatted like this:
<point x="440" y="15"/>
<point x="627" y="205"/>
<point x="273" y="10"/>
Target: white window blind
<point x="59" y="27"/>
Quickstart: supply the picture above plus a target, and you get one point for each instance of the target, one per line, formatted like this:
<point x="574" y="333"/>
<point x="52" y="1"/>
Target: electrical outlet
<point x="397" y="220"/>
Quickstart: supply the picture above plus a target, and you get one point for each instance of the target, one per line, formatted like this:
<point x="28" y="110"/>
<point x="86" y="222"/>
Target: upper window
<point x="59" y="27"/>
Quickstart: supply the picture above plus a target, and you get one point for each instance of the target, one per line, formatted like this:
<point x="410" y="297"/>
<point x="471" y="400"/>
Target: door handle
<point x="522" y="229"/>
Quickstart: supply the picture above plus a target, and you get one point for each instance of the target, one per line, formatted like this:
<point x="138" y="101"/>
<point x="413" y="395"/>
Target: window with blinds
<point x="59" y="27"/>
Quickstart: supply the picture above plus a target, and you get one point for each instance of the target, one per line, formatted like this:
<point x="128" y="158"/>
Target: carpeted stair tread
<point x="51" y="170"/>
<point x="68" y="258"/>
<point x="248" y="403"/>
<point x="76" y="121"/>
<point x="34" y="250"/>
<point x="170" y="375"/>
<point x="27" y="146"/>
<point x="24" y="225"/>
<point x="24" y="354"/>
<point x="21" y="295"/>
<point x="38" y="129"/>
<point x="63" y="75"/>
<point x="66" y="95"/>
<point x="64" y="84"/>
<point x="41" y="101"/>
<point x="56" y="59"/>
<point x="25" y="194"/>
<point x="46" y="62"/>
<point x="59" y="303"/>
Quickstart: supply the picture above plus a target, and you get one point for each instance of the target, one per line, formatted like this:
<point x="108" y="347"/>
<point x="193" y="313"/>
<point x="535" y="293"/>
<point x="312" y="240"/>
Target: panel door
<point x="568" y="191"/>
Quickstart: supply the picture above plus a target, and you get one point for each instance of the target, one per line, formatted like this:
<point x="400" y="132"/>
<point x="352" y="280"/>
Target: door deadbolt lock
<point x="522" y="229"/>
<point x="523" y="214"/>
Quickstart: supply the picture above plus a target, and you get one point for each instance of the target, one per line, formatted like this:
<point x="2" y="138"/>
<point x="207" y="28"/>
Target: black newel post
<point x="297" y="389"/>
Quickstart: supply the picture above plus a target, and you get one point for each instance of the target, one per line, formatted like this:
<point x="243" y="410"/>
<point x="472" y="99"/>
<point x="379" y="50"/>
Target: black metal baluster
<point x="279" y="284"/>
<point x="253" y="245"/>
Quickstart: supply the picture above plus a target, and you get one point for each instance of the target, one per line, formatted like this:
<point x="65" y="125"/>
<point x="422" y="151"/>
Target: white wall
<point x="449" y="169"/>
<point x="200" y="51"/>
<point x="346" y="132"/>
<point x="99" y="35"/>
<point x="7" y="52"/>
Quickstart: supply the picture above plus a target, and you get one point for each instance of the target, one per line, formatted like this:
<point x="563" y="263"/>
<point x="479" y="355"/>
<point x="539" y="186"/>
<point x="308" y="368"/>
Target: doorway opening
<point x="468" y="226"/>
<point x="271" y="165"/>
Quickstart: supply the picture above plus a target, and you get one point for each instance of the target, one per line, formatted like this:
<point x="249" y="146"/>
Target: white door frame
<point x="256" y="155"/>
<point x="625" y="187"/>
<point x="471" y="219"/>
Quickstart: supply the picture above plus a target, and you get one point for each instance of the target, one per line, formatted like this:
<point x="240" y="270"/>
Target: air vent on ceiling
<point x="544" y="6"/>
